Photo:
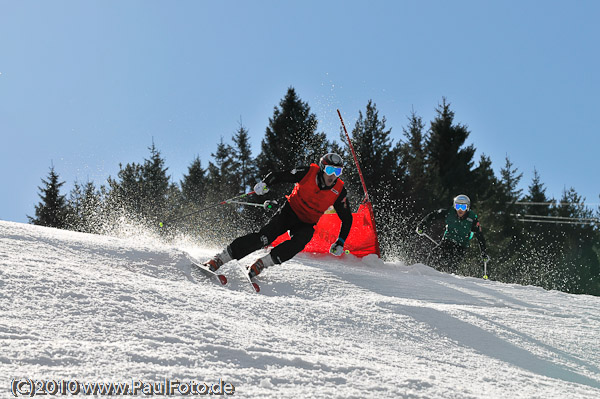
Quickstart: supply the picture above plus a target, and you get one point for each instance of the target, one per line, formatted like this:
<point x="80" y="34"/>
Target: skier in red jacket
<point x="317" y="188"/>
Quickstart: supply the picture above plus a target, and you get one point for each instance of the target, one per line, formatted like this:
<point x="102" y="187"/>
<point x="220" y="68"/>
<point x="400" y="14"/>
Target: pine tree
<point x="377" y="156"/>
<point x="194" y="191"/>
<point x="175" y="205"/>
<point x="415" y="197"/>
<point x="537" y="196"/>
<point x="510" y="179"/>
<point x="75" y="208"/>
<point x="221" y="224"/>
<point x="91" y="211"/>
<point x="244" y="165"/>
<point x="125" y="192"/>
<point x="141" y="192"/>
<point x="449" y="163"/>
<point x="510" y="244"/>
<point x="222" y="179"/>
<point x="540" y="247"/>
<point x="155" y="186"/>
<point x="485" y="183"/>
<point x="484" y="200"/>
<point x="52" y="210"/>
<point x="413" y="156"/>
<point x="193" y="185"/>
<point x="580" y="265"/>
<point x="379" y="162"/>
<point x="291" y="139"/>
<point x="85" y="208"/>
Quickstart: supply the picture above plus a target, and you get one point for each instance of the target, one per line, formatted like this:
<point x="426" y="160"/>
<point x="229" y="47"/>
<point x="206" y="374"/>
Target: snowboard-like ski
<point x="222" y="279"/>
<point x="255" y="286"/>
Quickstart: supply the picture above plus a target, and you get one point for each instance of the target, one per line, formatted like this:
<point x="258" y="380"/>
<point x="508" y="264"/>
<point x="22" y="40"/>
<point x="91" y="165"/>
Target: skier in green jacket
<point x="461" y="225"/>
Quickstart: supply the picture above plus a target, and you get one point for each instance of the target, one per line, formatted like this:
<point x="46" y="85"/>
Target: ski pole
<point x="485" y="259"/>
<point x="267" y="204"/>
<point x="426" y="235"/>
<point x="485" y="276"/>
<point x="161" y="224"/>
<point x="437" y="244"/>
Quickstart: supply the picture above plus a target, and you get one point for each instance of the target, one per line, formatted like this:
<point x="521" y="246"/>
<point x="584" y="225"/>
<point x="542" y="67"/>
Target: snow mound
<point x="102" y="309"/>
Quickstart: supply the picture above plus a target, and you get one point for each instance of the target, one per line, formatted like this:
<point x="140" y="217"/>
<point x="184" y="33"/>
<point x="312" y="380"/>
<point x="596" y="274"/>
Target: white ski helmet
<point x="462" y="199"/>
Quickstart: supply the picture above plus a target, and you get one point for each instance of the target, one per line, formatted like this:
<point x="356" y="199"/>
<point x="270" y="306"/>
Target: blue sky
<point x="85" y="85"/>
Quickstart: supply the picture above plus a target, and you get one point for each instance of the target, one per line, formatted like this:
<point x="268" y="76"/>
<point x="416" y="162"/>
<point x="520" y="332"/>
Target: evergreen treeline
<point x="532" y="239"/>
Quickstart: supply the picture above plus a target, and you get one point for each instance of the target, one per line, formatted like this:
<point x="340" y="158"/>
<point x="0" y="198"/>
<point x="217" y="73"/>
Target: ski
<point x="255" y="286"/>
<point x="222" y="279"/>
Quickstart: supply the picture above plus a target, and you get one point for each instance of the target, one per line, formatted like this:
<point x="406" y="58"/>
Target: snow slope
<point x="93" y="308"/>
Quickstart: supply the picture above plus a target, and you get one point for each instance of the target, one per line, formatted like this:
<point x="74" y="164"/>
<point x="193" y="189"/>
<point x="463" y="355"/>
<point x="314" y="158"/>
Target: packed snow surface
<point x="87" y="308"/>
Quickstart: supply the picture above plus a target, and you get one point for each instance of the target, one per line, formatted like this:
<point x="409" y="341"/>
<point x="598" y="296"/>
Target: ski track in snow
<point x="94" y="308"/>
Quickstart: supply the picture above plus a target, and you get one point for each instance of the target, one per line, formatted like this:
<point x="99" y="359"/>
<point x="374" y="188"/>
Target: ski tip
<point x="256" y="287"/>
<point x="222" y="279"/>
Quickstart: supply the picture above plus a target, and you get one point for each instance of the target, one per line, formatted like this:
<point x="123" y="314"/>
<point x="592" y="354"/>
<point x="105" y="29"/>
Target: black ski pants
<point x="446" y="256"/>
<point x="284" y="220"/>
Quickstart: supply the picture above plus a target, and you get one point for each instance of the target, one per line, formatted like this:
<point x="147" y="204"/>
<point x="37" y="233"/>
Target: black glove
<point x="485" y="257"/>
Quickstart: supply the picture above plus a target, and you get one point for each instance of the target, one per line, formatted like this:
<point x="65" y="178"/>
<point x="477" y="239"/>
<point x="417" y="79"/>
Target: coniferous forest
<point x="553" y="243"/>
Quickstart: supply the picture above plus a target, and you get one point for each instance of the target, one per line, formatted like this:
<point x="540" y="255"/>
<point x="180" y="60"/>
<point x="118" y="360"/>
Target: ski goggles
<point x="460" y="207"/>
<point x="333" y="170"/>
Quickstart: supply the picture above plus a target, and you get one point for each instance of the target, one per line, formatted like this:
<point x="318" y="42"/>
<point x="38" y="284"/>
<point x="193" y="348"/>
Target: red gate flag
<point x="361" y="242"/>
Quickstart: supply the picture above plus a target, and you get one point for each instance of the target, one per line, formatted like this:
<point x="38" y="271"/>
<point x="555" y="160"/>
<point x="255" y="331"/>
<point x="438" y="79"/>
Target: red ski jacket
<point x="308" y="201"/>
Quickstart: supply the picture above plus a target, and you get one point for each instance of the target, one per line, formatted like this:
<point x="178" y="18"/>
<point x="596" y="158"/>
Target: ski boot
<point x="257" y="267"/>
<point x="218" y="260"/>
